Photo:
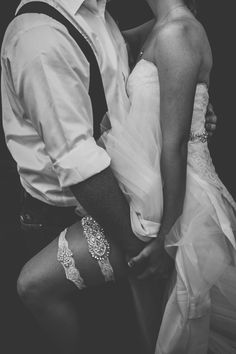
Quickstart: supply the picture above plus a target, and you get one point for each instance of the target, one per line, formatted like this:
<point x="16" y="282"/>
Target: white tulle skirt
<point x="200" y="312"/>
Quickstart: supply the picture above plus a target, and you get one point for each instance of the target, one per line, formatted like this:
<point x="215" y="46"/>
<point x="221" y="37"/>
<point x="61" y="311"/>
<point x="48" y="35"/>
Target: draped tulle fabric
<point x="135" y="147"/>
<point x="200" y="311"/>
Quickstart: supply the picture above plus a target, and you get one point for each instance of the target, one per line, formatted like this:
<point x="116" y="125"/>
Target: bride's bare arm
<point x="179" y="63"/>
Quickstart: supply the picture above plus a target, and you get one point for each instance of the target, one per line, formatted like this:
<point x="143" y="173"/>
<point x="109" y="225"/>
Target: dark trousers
<point x="41" y="222"/>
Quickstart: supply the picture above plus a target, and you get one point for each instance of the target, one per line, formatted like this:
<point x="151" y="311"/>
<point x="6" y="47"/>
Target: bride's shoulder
<point x="182" y="37"/>
<point x="185" y="30"/>
<point x="185" y="37"/>
<point x="179" y="42"/>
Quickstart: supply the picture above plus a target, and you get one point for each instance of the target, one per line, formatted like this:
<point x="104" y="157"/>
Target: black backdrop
<point x="20" y="332"/>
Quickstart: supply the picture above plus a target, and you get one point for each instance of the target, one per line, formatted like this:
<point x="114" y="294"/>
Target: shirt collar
<point x="93" y="5"/>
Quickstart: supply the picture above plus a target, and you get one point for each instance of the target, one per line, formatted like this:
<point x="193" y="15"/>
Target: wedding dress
<point x="200" y="311"/>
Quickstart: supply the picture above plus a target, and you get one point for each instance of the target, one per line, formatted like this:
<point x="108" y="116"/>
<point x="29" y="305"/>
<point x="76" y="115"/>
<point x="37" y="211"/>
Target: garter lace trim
<point x="65" y="257"/>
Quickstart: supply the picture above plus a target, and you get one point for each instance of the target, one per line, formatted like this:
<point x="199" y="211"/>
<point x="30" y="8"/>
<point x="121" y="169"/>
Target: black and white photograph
<point x="117" y="177"/>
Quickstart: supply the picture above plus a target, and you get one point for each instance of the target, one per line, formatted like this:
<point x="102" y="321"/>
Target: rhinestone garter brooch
<point x="98" y="246"/>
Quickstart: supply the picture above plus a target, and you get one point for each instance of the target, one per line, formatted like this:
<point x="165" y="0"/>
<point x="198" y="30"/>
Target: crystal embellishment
<point x="98" y="246"/>
<point x="198" y="137"/>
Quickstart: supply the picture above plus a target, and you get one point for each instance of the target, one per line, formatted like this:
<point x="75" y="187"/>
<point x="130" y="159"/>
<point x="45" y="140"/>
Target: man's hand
<point x="211" y="120"/>
<point x="154" y="259"/>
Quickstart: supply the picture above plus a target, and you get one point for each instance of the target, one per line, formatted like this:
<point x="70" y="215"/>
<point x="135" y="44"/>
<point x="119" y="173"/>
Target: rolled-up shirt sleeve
<point x="51" y="77"/>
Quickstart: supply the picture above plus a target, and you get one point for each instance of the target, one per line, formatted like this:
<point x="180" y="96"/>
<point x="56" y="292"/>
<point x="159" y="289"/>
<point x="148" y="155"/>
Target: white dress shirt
<point x="47" y="113"/>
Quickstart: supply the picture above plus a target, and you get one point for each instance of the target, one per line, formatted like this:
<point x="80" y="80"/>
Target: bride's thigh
<point x="48" y="274"/>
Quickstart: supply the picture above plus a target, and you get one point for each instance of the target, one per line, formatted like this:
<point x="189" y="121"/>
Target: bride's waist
<point x="200" y="161"/>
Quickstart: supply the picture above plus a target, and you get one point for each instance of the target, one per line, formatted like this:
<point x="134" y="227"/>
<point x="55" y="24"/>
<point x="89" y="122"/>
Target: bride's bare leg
<point x="48" y="294"/>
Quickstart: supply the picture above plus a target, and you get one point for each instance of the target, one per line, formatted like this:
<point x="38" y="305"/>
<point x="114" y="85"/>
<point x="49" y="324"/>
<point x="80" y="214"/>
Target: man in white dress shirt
<point x="47" y="113"/>
<point x="48" y="120"/>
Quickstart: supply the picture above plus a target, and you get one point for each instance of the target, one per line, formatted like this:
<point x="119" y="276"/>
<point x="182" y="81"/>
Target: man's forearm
<point x="102" y="198"/>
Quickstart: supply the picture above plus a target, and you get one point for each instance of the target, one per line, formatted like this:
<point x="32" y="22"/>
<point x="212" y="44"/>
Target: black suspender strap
<point x="96" y="88"/>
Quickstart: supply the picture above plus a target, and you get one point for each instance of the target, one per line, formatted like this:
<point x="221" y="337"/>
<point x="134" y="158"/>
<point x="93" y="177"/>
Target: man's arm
<point x="102" y="198"/>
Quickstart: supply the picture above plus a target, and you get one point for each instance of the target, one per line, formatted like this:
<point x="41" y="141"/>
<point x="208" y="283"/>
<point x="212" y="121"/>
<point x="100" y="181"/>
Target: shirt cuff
<point x="82" y="162"/>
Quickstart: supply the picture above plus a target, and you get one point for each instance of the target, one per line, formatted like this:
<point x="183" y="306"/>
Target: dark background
<point x="19" y="333"/>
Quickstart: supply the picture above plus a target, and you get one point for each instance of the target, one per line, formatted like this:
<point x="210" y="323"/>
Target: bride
<point x="161" y="151"/>
<point x="178" y="205"/>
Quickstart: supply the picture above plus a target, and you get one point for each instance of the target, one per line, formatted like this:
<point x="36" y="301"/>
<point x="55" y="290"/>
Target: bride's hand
<point x="156" y="260"/>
